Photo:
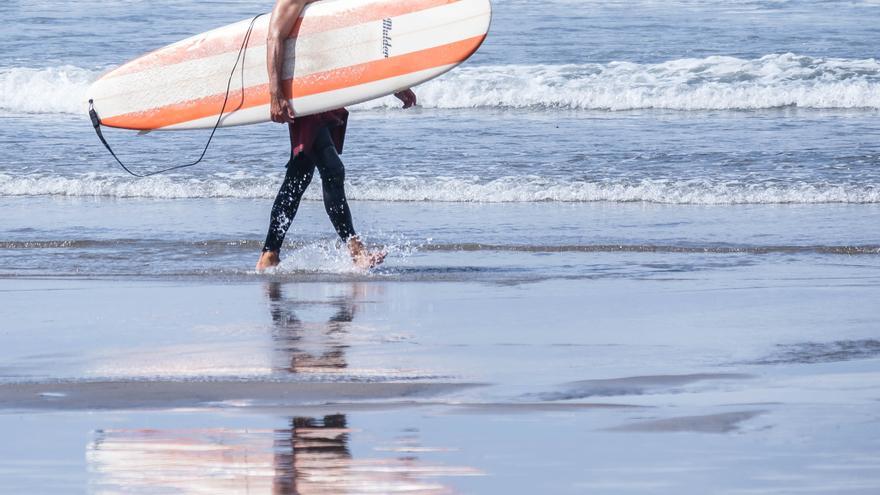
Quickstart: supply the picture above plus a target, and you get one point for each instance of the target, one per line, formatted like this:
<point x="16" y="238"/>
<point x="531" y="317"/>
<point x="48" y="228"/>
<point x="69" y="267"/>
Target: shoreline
<point x="160" y="394"/>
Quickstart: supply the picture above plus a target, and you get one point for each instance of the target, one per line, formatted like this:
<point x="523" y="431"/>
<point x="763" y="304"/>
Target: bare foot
<point x="269" y="259"/>
<point x="362" y="257"/>
<point x="367" y="260"/>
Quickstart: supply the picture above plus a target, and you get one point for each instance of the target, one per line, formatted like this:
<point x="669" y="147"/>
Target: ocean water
<point x="647" y="231"/>
<point x="704" y="102"/>
<point x="699" y="103"/>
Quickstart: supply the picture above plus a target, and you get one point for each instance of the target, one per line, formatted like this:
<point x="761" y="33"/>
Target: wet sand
<point x="710" y="423"/>
<point x="158" y="394"/>
<point x="139" y="386"/>
<point x="720" y="356"/>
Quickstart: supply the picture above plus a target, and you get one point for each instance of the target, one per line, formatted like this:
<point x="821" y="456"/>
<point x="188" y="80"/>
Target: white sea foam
<point x="448" y="189"/>
<point x="712" y="83"/>
<point x="717" y="82"/>
<point x="51" y="90"/>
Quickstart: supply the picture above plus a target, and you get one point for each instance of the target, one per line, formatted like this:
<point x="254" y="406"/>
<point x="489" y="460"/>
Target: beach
<point x="630" y="250"/>
<point x="466" y="365"/>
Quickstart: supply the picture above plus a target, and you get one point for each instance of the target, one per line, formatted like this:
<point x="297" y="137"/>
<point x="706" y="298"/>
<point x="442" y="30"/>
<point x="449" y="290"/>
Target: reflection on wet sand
<point x="309" y="346"/>
<point x="311" y="456"/>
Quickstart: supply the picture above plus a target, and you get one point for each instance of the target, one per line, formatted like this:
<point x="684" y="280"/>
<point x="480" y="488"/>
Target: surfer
<point x="316" y="142"/>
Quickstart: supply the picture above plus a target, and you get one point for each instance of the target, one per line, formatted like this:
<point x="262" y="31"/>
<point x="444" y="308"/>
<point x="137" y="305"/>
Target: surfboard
<point x="339" y="53"/>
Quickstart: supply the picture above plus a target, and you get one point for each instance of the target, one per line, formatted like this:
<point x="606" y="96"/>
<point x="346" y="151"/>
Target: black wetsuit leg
<point x="299" y="174"/>
<point x="333" y="184"/>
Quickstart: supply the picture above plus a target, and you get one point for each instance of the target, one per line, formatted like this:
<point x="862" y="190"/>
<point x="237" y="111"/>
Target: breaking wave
<point x="711" y="83"/>
<point x="52" y="90"/>
<point x="446" y="189"/>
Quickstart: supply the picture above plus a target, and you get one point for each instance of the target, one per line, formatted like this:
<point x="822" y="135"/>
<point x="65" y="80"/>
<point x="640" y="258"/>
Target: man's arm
<point x="284" y="17"/>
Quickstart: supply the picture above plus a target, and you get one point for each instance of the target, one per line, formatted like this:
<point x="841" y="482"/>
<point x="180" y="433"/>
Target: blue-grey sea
<point x="634" y="247"/>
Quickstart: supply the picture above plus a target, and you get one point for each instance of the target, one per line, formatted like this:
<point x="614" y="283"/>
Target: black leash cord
<point x="96" y="121"/>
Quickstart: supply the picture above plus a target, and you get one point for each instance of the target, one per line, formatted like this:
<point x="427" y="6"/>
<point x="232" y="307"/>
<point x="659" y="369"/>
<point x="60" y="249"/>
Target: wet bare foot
<point x="269" y="259"/>
<point x="368" y="260"/>
<point x="362" y="257"/>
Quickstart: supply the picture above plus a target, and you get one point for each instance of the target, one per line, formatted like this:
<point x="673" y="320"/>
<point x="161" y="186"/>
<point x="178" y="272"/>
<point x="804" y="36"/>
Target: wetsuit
<point x="316" y="142"/>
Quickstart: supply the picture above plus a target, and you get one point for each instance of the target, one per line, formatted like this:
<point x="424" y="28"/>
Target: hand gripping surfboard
<point x="339" y="53"/>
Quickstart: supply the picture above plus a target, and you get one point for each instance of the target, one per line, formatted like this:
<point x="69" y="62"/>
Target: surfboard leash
<point x="96" y="121"/>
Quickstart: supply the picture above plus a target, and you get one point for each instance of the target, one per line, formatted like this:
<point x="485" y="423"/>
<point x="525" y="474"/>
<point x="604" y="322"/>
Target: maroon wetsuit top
<point x="305" y="129"/>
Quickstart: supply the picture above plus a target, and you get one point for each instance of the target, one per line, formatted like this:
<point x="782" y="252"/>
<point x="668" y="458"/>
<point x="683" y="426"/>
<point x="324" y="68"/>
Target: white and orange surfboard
<point x="340" y="52"/>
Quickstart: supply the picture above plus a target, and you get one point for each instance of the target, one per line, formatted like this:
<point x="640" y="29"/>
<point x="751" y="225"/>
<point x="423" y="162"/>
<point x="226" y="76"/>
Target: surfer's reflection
<point x="312" y="346"/>
<point x="311" y="456"/>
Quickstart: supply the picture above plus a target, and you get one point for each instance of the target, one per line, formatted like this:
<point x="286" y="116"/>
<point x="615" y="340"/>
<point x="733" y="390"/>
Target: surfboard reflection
<point x="309" y="456"/>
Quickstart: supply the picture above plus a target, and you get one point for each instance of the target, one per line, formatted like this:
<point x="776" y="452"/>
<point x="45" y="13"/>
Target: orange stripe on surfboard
<point x="313" y="24"/>
<point x="320" y="82"/>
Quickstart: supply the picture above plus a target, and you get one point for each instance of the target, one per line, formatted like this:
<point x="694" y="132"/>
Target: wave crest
<point x="46" y="91"/>
<point x="711" y="83"/>
<point x="516" y="189"/>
